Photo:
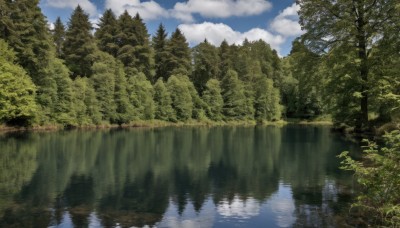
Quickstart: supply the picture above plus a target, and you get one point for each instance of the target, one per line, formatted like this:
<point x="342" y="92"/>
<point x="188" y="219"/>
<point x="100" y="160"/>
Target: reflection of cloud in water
<point x="189" y="223"/>
<point x="189" y="218"/>
<point x="239" y="208"/>
<point x="283" y="207"/>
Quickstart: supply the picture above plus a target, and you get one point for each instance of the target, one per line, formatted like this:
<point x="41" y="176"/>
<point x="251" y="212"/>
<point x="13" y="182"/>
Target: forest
<point x="345" y="68"/>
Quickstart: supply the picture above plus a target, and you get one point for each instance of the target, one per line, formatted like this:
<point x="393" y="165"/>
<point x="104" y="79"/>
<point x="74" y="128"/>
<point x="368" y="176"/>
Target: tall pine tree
<point x="180" y="61"/>
<point x="162" y="54"/>
<point x="143" y="52"/>
<point x="127" y="41"/>
<point x="79" y="47"/>
<point x="31" y="41"/>
<point x="106" y="34"/>
<point x="58" y="36"/>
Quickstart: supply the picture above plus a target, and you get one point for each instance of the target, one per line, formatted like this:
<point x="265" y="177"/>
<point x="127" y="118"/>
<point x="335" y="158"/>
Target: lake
<point x="175" y="177"/>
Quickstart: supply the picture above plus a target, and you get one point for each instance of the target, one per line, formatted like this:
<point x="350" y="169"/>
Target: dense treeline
<point x="74" y="75"/>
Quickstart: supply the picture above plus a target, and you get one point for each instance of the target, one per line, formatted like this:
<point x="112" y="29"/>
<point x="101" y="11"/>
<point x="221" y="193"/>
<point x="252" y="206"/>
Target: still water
<point x="175" y="177"/>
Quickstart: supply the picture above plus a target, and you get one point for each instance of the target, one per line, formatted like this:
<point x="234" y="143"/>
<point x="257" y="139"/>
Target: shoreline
<point x="159" y="124"/>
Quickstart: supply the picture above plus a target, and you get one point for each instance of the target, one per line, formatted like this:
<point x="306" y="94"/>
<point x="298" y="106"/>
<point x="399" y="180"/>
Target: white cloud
<point x="287" y="22"/>
<point x="86" y="5"/>
<point x="50" y="25"/>
<point x="218" y="8"/>
<point x="216" y="33"/>
<point x="148" y="10"/>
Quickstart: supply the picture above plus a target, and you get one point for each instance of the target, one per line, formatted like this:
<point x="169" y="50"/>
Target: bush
<point x="378" y="175"/>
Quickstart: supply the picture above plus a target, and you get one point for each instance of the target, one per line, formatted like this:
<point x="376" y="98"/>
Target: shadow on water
<point x="222" y="177"/>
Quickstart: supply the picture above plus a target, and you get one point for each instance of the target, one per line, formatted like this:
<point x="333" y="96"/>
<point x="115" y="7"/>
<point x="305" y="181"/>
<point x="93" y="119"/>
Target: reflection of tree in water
<point x="310" y="165"/>
<point x="140" y="203"/>
<point x="17" y="165"/>
<point x="129" y="176"/>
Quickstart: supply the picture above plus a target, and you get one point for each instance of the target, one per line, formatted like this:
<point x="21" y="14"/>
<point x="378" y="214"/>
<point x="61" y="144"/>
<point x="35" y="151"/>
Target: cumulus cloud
<point x="216" y="33"/>
<point x="86" y="5"/>
<point x="218" y="8"/>
<point x="148" y="10"/>
<point x="287" y="22"/>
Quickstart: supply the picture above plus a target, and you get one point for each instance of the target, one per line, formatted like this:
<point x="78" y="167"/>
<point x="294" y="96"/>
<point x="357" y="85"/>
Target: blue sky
<point x="275" y="21"/>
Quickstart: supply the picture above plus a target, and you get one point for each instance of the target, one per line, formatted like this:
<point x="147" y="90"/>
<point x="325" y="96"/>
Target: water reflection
<point x="173" y="177"/>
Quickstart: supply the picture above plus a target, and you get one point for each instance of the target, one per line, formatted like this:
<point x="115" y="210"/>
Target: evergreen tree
<point x="163" y="102"/>
<point x="213" y="99"/>
<point x="31" y="41"/>
<point x="59" y="36"/>
<point x="79" y="47"/>
<point x="17" y="93"/>
<point x="124" y="109"/>
<point x="5" y="22"/>
<point x="143" y="52"/>
<point x="141" y="95"/>
<point x="225" y="57"/>
<point x="62" y="110"/>
<point x="180" y="61"/>
<point x="107" y="32"/>
<point x="126" y="42"/>
<point x="181" y="98"/>
<point x="234" y="97"/>
<point x="205" y="57"/>
<point x="162" y="54"/>
<point x="104" y="70"/>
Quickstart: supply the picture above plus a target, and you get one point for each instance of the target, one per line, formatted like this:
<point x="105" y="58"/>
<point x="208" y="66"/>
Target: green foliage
<point x="198" y="112"/>
<point x="124" y="109"/>
<point x="17" y="92"/>
<point x="205" y="57"/>
<point x="379" y="179"/>
<point x="225" y="56"/>
<point x="62" y="109"/>
<point x="86" y="105"/>
<point x="106" y="34"/>
<point x="141" y="94"/>
<point x="126" y="41"/>
<point x="163" y="102"/>
<point x="104" y="70"/>
<point x="58" y="34"/>
<point x="31" y="41"/>
<point x="350" y="31"/>
<point x="181" y="98"/>
<point x="144" y="54"/>
<point x="180" y="60"/>
<point x="306" y="98"/>
<point x="79" y="46"/>
<point x="162" y="54"/>
<point x="234" y="97"/>
<point x="267" y="99"/>
<point x="213" y="99"/>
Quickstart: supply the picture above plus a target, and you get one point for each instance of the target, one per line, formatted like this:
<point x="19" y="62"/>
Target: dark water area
<point x="175" y="177"/>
